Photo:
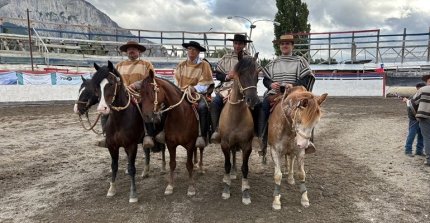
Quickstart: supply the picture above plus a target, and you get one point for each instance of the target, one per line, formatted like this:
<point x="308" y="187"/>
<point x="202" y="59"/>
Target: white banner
<point x="36" y="79"/>
<point x="67" y="79"/>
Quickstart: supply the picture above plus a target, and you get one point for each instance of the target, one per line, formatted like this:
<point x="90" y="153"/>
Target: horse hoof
<point x="200" y="142"/>
<point x="291" y="181"/>
<point x="246" y="201"/>
<point x="191" y="192"/>
<point x="305" y="204"/>
<point x="112" y="190"/>
<point x="225" y="196"/>
<point x="132" y="200"/>
<point x="148" y="142"/>
<point x="145" y="174"/>
<point x="276" y="206"/>
<point x="215" y="138"/>
<point x="161" y="137"/>
<point x="233" y="176"/>
<point x="169" y="190"/>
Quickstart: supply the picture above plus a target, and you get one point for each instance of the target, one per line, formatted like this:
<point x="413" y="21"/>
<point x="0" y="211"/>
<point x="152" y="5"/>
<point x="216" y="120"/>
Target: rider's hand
<point x="230" y="75"/>
<point x="275" y="86"/>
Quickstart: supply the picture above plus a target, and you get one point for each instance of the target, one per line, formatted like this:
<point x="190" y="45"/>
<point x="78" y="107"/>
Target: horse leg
<point x="195" y="160"/>
<point x="233" y="173"/>
<point x="131" y="155"/>
<point x="201" y="160"/>
<point x="147" y="152"/>
<point x="114" y="154"/>
<point x="277" y="176"/>
<point x="163" y="160"/>
<point x="172" y="164"/>
<point x="227" y="167"/>
<point x="289" y="161"/>
<point x="191" y="187"/>
<point x="302" y="179"/>
<point x="246" y="152"/>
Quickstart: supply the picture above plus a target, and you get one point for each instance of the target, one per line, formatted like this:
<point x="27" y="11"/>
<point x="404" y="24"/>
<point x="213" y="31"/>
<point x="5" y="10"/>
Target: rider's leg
<point x="263" y="127"/>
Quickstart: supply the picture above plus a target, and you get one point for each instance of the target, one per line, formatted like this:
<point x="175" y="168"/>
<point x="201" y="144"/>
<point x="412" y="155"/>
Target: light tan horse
<point x="290" y="129"/>
<point x="236" y="126"/>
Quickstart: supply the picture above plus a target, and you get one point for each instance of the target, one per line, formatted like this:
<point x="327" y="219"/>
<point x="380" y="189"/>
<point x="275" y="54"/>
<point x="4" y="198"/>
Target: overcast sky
<point x="391" y="16"/>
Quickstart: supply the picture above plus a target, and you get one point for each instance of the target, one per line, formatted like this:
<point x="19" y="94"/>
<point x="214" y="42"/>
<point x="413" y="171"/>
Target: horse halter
<point x="293" y="110"/>
<point x="117" y="83"/>
<point x="241" y="90"/>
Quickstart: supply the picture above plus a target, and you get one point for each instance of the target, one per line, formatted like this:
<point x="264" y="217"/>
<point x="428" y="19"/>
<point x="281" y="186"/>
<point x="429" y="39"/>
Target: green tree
<point x="293" y="17"/>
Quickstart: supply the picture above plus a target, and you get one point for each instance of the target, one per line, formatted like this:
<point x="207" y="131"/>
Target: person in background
<point x="414" y="128"/>
<point x="421" y="102"/>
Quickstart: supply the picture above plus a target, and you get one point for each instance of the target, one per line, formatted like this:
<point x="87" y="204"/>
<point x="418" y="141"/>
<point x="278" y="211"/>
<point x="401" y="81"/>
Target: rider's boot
<point x="215" y="113"/>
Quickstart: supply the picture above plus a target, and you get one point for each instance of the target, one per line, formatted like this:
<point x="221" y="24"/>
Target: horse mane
<point x="245" y="65"/>
<point x="310" y="110"/>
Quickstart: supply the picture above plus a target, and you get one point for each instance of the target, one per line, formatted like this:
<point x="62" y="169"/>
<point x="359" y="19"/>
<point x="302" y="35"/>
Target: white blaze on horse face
<point x="103" y="107"/>
<point x="75" y="108"/>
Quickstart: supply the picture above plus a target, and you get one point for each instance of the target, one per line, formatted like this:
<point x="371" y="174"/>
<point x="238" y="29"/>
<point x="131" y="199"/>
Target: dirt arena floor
<point x="51" y="171"/>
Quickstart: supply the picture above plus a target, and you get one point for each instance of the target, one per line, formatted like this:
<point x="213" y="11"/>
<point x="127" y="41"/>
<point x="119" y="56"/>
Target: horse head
<point x="303" y="110"/>
<point x="107" y="83"/>
<point x="152" y="97"/>
<point x="87" y="97"/>
<point x="246" y="75"/>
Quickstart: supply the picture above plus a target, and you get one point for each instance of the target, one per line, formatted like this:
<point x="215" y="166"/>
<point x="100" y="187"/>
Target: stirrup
<point x="148" y="142"/>
<point x="216" y="138"/>
<point x="200" y="142"/>
<point x="161" y="137"/>
<point x="310" y="149"/>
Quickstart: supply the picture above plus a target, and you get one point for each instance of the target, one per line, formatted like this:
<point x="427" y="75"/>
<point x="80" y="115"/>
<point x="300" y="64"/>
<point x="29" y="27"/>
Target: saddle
<point x="274" y="99"/>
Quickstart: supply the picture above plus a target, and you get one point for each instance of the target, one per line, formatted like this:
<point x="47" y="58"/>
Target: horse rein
<point x="290" y="109"/>
<point x="187" y="93"/>
<point x="241" y="90"/>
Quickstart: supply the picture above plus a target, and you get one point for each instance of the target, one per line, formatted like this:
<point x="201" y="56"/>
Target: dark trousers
<point x="203" y="111"/>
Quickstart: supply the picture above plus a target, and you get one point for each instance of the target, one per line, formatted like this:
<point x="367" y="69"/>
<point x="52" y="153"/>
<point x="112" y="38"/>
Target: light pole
<point x="252" y="26"/>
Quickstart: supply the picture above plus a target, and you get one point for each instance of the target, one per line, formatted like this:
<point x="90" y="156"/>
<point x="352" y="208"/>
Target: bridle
<point x="117" y="84"/>
<point x="242" y="91"/>
<point x="292" y="111"/>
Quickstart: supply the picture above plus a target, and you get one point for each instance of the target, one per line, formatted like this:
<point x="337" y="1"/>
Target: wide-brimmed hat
<point x="240" y="38"/>
<point x="195" y="45"/>
<point x="284" y="38"/>
<point x="134" y="44"/>
<point x="425" y="77"/>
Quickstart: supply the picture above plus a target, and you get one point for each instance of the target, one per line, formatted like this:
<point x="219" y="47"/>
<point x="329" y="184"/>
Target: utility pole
<point x="29" y="39"/>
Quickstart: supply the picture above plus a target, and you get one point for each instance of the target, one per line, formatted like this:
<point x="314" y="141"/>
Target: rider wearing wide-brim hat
<point x="224" y="75"/>
<point x="132" y="44"/>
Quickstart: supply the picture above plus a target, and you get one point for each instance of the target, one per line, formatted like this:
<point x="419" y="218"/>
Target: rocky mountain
<point x="79" y="15"/>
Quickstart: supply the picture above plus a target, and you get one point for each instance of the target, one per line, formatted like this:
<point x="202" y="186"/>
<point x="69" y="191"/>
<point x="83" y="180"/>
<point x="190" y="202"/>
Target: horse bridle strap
<point x="290" y="109"/>
<point x="119" y="108"/>
<point x="241" y="90"/>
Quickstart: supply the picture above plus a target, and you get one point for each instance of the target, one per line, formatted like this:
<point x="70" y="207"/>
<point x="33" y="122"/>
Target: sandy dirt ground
<point x="51" y="171"/>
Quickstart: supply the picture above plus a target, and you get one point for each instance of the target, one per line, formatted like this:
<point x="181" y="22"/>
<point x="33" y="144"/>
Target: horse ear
<point x="110" y="65"/>
<point x="322" y="98"/>
<point x="256" y="56"/>
<point x="151" y="73"/>
<point x="83" y="79"/>
<point x="97" y="67"/>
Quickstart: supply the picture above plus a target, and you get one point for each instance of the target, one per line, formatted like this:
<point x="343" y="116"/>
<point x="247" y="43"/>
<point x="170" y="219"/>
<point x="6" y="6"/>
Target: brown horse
<point x="181" y="125"/>
<point x="290" y="129"/>
<point x="124" y="127"/>
<point x="236" y="126"/>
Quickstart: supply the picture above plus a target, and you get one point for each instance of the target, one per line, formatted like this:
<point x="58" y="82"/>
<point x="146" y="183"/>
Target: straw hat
<point x="284" y="38"/>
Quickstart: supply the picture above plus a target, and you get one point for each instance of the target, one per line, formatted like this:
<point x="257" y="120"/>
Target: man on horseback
<point x="223" y="73"/>
<point x="134" y="70"/>
<point x="196" y="73"/>
<point x="286" y="69"/>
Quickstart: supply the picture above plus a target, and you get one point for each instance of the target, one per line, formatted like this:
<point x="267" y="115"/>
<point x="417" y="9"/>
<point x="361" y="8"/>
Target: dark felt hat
<point x="240" y="38"/>
<point x="195" y="45"/>
<point x="134" y="44"/>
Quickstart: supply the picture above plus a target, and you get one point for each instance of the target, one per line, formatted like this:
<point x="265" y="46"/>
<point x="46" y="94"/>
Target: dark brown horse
<point x="290" y="129"/>
<point x="88" y="97"/>
<point x="181" y="125"/>
<point x="124" y="127"/>
<point x="236" y="124"/>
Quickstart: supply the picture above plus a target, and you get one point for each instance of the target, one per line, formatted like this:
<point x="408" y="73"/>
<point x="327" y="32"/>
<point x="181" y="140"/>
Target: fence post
<point x="377" y="47"/>
<point x="329" y="48"/>
<point x="403" y="45"/>
<point x="428" y="48"/>
<point x="353" y="49"/>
